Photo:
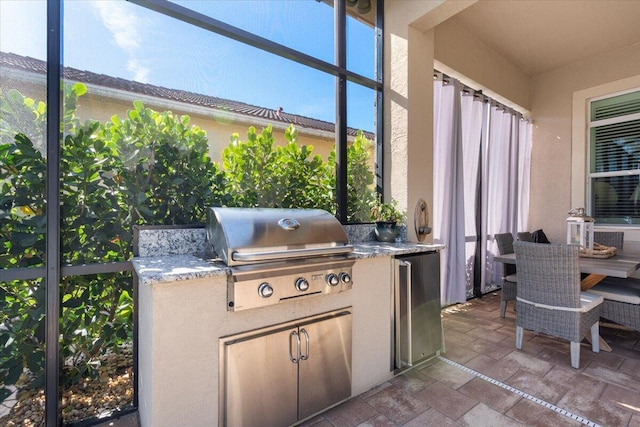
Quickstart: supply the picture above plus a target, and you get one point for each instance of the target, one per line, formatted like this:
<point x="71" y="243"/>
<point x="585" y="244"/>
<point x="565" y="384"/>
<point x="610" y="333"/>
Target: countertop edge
<point x="175" y="268"/>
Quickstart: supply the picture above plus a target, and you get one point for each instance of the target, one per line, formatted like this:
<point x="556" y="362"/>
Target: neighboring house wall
<point x="219" y="128"/>
<point x="100" y="103"/>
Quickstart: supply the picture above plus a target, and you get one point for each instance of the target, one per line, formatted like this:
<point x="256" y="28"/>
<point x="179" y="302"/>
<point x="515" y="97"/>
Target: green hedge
<point x="148" y="168"/>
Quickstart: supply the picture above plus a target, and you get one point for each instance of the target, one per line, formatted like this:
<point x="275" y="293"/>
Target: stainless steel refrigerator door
<point x="418" y="326"/>
<point x="325" y="371"/>
<point x="261" y="380"/>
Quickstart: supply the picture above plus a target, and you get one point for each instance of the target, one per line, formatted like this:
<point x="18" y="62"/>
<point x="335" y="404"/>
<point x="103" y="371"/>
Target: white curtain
<point x="448" y="191"/>
<point x="524" y="169"/>
<point x="508" y="156"/>
<point x="476" y="138"/>
<point x="472" y="125"/>
<point x="499" y="208"/>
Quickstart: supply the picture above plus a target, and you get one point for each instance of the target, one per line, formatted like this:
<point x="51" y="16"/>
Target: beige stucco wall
<point x="417" y="36"/>
<point x="408" y="80"/>
<point x="550" y="99"/>
<point x="181" y="322"/>
<point x="483" y="69"/>
<point x="553" y="159"/>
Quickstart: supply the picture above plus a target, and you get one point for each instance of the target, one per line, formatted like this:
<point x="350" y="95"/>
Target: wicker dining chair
<point x="609" y="238"/>
<point x="620" y="294"/>
<point x="509" y="277"/>
<point x="549" y="299"/>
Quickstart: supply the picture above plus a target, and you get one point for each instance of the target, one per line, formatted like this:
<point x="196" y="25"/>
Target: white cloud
<point x="125" y="28"/>
<point x="23" y="28"/>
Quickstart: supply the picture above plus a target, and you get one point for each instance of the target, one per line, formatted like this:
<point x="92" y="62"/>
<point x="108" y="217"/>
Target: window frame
<point x="338" y="69"/>
<point x="590" y="176"/>
<point x="54" y="271"/>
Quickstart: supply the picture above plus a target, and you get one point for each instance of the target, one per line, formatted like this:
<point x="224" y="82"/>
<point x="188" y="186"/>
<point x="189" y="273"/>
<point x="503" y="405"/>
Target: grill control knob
<point x="345" y="278"/>
<point x="332" y="279"/>
<point x="302" y="284"/>
<point x="265" y="290"/>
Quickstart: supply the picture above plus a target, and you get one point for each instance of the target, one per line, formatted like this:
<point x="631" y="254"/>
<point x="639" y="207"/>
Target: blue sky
<point x="120" y="39"/>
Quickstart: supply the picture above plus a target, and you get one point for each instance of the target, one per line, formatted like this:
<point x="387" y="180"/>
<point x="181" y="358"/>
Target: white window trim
<point x="605" y="122"/>
<point x="579" y="143"/>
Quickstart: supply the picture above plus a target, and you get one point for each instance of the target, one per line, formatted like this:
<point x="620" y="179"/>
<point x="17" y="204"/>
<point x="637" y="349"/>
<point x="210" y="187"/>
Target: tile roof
<point x="38" y="66"/>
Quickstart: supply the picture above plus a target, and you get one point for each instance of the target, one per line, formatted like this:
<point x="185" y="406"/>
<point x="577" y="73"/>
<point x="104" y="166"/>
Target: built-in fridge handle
<point x="398" y="265"/>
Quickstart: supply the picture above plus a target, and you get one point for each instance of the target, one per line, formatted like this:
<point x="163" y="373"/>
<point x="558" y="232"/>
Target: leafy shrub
<point x="147" y="168"/>
<point x="261" y="175"/>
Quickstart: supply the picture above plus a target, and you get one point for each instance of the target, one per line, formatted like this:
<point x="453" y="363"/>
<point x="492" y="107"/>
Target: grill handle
<point x="295" y="253"/>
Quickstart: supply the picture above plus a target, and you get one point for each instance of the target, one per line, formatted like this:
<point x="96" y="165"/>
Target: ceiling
<point x="541" y="35"/>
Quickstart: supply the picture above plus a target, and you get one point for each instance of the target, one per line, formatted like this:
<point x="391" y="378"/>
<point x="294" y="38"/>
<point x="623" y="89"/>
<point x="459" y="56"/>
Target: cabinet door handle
<point x="409" y="354"/>
<point x="306" y="338"/>
<point x="295" y="359"/>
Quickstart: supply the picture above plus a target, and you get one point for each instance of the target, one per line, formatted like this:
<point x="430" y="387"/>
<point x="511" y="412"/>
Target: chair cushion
<point x="588" y="301"/>
<point x="618" y="292"/>
<point x="538" y="236"/>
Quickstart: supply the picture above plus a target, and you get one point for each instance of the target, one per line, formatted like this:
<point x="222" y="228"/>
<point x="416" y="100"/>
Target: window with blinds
<point x="614" y="159"/>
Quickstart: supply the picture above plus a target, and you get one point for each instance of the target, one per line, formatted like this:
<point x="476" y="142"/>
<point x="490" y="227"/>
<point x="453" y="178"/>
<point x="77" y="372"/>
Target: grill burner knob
<point x="265" y="290"/>
<point x="332" y="279"/>
<point x="302" y="284"/>
<point x="345" y="278"/>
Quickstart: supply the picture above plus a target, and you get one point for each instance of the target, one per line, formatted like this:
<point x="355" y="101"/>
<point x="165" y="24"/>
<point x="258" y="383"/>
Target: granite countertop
<point x="372" y="249"/>
<point x="180" y="267"/>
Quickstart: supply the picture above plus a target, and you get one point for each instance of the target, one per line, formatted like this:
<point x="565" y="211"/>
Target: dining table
<point x="623" y="264"/>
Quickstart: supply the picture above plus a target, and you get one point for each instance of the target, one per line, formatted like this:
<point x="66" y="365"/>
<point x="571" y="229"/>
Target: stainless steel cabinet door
<point x="418" y="327"/>
<point x="261" y="380"/>
<point x="325" y="374"/>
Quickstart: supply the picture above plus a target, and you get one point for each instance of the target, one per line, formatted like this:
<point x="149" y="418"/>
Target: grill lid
<point x="253" y="235"/>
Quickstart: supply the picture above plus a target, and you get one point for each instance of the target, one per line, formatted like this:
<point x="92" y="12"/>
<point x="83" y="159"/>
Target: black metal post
<point x="52" y="279"/>
<point x="208" y="23"/>
<point x="379" y="77"/>
<point x="341" y="108"/>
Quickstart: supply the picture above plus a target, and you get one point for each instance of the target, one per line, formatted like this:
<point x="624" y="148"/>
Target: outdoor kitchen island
<point x="182" y="315"/>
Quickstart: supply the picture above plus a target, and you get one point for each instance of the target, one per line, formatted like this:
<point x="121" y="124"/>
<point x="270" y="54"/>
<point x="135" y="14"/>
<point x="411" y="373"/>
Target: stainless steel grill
<point x="278" y="254"/>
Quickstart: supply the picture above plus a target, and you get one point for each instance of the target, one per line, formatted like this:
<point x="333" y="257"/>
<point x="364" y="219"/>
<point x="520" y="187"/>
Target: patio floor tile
<point x="492" y="368"/>
<point x="481" y="414"/>
<point x="587" y="403"/>
<point x="621" y="398"/>
<point x="431" y="417"/>
<point x="459" y="353"/>
<point x="446" y="400"/>
<point x="531" y="414"/>
<point x="537" y="386"/>
<point x="351" y="413"/>
<point x="613" y="377"/>
<point x="397" y="405"/>
<point x="447" y="374"/>
<point x="605" y="390"/>
<point x="493" y="396"/>
<point x="494" y="350"/>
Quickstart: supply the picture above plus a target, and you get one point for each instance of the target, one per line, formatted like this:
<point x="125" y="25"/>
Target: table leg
<point x="590" y="281"/>
<point x="603" y="344"/>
